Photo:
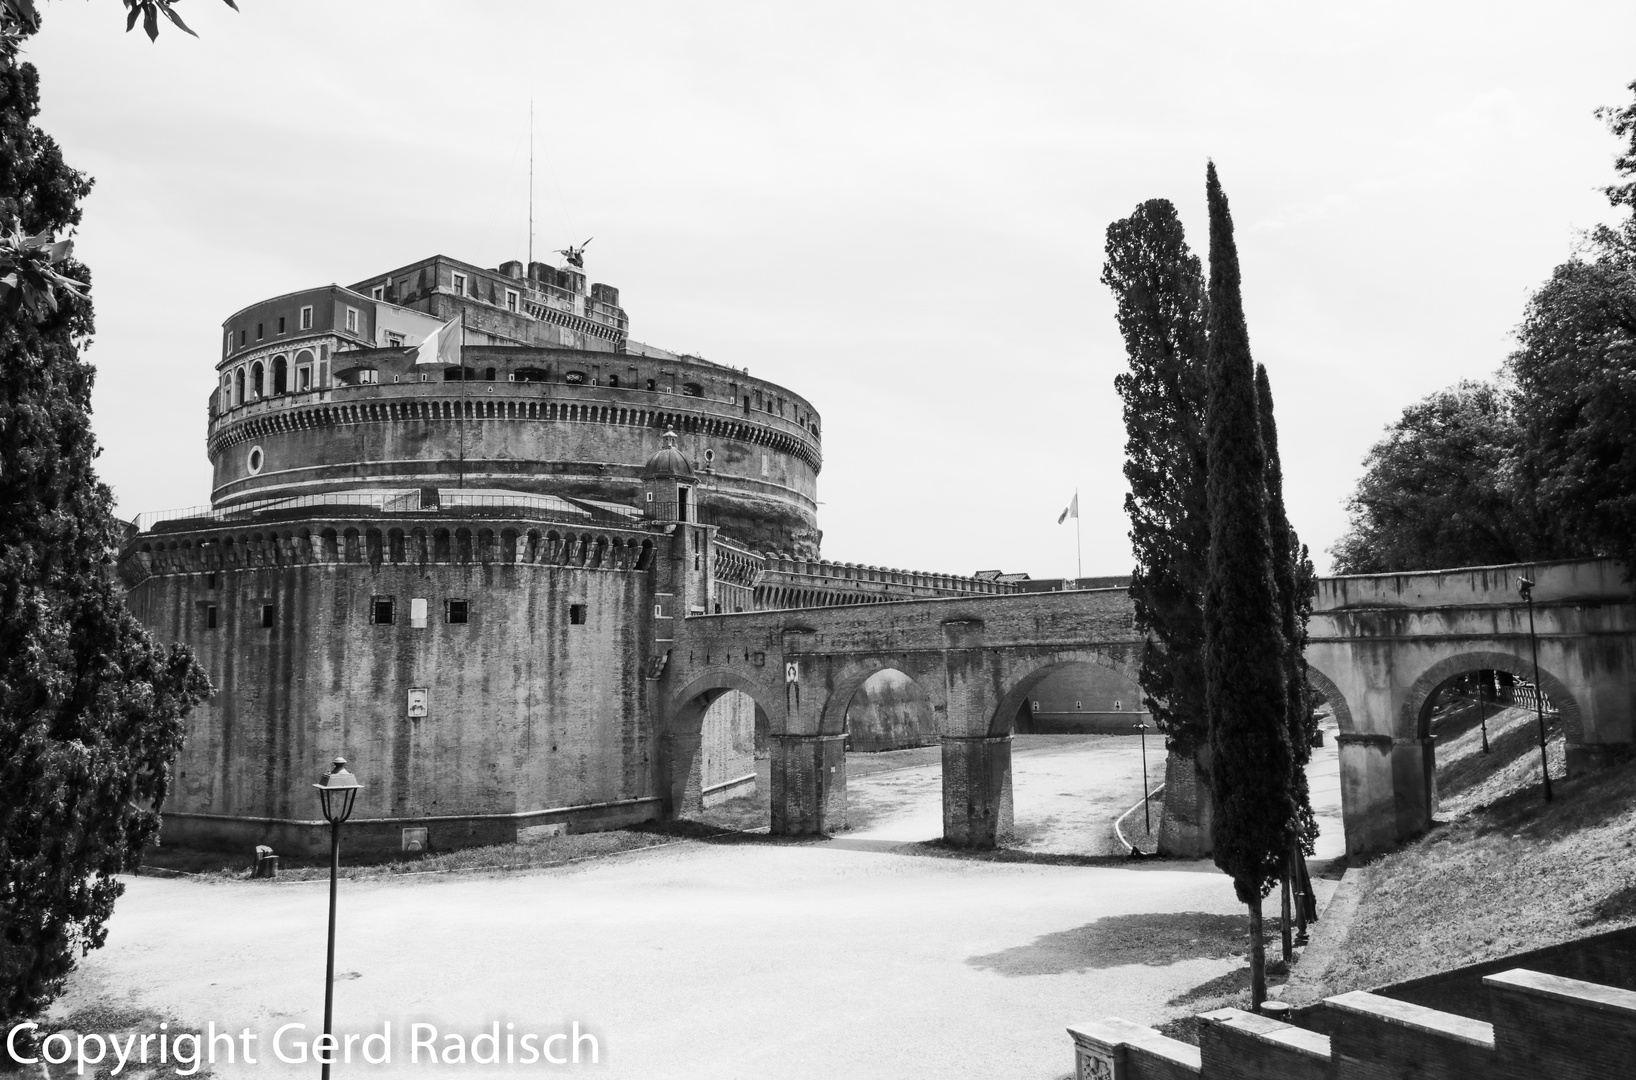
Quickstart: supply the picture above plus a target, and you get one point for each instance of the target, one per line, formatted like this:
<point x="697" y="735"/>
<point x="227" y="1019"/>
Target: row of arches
<point x="415" y="545"/>
<point x="485" y="408"/>
<point x="272" y="378"/>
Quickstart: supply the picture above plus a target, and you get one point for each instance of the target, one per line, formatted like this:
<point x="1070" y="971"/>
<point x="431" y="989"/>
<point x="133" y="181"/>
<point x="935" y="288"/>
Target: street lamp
<point x="336" y="791"/>
<point x="1147" y="822"/>
<point x="1526" y="587"/>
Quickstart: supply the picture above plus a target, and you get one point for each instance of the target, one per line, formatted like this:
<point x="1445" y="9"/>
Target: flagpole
<point x="1079" y="542"/>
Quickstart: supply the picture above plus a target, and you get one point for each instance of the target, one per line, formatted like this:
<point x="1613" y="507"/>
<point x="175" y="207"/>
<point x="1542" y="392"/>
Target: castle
<point x="456" y="515"/>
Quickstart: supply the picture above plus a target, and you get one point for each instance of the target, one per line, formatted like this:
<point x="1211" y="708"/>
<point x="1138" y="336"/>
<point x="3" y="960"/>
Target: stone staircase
<point x="1540" y="1026"/>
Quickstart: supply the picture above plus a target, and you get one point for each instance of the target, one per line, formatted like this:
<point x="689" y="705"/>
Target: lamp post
<point x="336" y="791"/>
<point x="1147" y="822"/>
<point x="1526" y="587"/>
<point x="1482" y="715"/>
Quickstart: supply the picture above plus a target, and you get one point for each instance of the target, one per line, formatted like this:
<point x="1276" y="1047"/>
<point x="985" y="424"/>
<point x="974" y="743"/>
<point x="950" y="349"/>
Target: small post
<point x="1147" y="821"/>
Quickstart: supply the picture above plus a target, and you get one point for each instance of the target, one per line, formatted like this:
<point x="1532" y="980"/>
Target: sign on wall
<point x="417" y="702"/>
<point x="792" y="671"/>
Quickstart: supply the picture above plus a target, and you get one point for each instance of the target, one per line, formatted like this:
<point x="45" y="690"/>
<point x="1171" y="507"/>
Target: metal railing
<point x="405" y="501"/>
<point x="689" y="513"/>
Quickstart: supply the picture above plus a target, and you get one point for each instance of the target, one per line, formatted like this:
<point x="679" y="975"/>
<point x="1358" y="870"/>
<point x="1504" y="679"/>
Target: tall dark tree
<point x="1244" y="651"/>
<point x="1294" y="608"/>
<point x="1443" y="489"/>
<point x="90" y="708"/>
<point x="1158" y="285"/>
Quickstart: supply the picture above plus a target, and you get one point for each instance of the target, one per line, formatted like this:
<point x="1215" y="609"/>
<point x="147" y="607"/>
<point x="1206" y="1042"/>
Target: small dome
<point x="668" y="462"/>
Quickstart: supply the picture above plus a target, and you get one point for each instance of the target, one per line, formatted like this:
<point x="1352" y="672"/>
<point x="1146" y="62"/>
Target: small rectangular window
<point x="576" y="614"/>
<point x="210" y="617"/>
<point x="281" y="324"/>
<point x="417" y="613"/>
<point x="306" y="319"/>
<point x="259" y="334"/>
<point x="303" y="378"/>
<point x="210" y="581"/>
<point x="268" y="611"/>
<point x="378" y="293"/>
<point x="380" y="610"/>
<point x="241" y="339"/>
<point x="456" y="611"/>
<point x="352" y="320"/>
<point x="511" y="299"/>
<point x="460" y="284"/>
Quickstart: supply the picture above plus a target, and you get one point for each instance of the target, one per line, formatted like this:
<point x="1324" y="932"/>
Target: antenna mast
<point x="530" y="181"/>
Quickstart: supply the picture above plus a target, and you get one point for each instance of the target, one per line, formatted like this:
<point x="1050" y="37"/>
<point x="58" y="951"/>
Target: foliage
<point x="1244" y="649"/>
<point x="1294" y="608"/>
<point x="1575" y="376"/>
<point x="1443" y="489"/>
<point x="90" y="708"/>
<point x="19" y="18"/>
<point x="1622" y="122"/>
<point x="1158" y="285"/>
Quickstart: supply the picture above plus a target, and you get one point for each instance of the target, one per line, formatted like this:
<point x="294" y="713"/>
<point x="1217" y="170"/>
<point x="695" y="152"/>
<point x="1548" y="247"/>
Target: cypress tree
<point x="1158" y="285"/>
<point x="1244" y="650"/>
<point x="90" y="707"/>
<point x="1289" y="560"/>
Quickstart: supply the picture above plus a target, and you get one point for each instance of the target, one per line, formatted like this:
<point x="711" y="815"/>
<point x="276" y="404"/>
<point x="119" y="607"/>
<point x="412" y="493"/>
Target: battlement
<point x="788" y="581"/>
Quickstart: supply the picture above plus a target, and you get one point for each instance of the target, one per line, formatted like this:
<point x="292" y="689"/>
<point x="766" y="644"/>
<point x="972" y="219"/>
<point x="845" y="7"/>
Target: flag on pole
<point x="1071" y="512"/>
<point x="442" y="346"/>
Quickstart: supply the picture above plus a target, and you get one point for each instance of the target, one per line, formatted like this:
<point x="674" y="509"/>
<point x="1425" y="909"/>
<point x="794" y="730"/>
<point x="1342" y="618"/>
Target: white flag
<point x="1072" y="511"/>
<point x="442" y="346"/>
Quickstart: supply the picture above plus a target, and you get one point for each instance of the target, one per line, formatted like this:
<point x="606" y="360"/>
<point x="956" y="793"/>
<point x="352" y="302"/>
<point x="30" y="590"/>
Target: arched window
<point x="257" y="388"/>
<point x="281" y="375"/>
<point x="238" y="387"/>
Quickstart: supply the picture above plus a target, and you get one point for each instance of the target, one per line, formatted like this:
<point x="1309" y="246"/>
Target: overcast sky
<point x="895" y="209"/>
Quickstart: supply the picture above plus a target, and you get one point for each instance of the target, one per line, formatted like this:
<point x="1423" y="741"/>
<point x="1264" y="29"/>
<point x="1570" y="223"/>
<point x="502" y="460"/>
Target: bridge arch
<point x="707" y="755"/>
<point x="1331" y="693"/>
<point x="851" y="679"/>
<point x="1415" y="712"/>
<point x="1036" y="669"/>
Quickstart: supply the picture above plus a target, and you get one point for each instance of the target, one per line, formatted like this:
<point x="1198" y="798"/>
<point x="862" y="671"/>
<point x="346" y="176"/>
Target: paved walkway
<point x="756" y="958"/>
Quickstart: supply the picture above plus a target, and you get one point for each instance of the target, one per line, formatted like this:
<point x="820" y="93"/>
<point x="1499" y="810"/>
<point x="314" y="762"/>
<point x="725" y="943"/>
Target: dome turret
<point x="668" y="463"/>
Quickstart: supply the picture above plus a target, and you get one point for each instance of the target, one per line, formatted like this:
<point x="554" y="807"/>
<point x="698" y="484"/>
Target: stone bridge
<point x="1381" y="648"/>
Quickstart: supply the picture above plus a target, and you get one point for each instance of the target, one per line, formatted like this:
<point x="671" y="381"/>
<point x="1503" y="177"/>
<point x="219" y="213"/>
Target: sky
<point x="896" y="210"/>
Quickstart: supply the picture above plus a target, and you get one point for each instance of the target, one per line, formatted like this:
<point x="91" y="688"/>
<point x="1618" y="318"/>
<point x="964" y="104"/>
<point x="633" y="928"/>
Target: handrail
<point x="401" y="501"/>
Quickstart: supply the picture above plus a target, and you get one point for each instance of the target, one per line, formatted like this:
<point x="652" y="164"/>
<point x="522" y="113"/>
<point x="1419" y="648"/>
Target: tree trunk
<point x="1258" y="958"/>
<point x="1302" y="886"/>
<point x="1289" y="945"/>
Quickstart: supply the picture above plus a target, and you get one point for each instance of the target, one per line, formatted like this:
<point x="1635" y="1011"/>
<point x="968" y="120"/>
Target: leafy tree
<point x="1158" y="285"/>
<point x="1622" y="122"/>
<point x="1574" y="372"/>
<point x="24" y="15"/>
<point x="90" y="708"/>
<point x="1244" y="651"/>
<point x="1443" y="489"/>
<point x="1575" y="377"/>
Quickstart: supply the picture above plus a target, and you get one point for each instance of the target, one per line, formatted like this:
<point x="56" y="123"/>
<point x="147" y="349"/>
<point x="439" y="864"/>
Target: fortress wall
<point x="527" y="711"/>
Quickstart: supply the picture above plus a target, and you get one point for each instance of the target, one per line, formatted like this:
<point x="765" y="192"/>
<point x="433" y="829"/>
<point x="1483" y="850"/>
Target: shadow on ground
<point x="1156" y="940"/>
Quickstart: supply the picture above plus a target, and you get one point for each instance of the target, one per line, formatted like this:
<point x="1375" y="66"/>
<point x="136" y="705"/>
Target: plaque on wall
<point x="417" y="702"/>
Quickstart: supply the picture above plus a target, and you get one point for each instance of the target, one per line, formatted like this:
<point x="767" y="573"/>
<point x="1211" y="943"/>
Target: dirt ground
<point x="869" y="955"/>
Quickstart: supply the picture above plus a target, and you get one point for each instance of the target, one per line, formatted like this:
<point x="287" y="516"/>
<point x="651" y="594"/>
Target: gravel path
<point x="754" y="957"/>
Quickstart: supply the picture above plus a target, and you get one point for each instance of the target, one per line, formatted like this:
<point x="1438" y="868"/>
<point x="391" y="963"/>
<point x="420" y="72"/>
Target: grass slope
<point x="1500" y="872"/>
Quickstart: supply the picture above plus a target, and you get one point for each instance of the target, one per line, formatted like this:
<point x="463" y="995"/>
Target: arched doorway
<point x="709" y="768"/>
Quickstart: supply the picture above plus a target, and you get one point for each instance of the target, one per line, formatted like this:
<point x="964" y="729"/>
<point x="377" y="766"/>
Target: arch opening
<point x="710" y="770"/>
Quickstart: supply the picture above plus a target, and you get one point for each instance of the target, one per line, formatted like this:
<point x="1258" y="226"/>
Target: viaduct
<point x="1381" y="648"/>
